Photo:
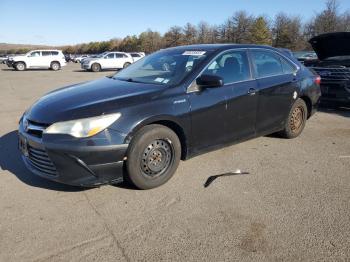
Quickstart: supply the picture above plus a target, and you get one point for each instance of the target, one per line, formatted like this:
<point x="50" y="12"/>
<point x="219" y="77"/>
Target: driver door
<point x="35" y="59"/>
<point x="228" y="113"/>
<point x="109" y="61"/>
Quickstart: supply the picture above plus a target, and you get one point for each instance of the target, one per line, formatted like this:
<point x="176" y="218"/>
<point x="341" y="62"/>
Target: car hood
<point x="331" y="44"/>
<point x="89" y="59"/>
<point x="17" y="57"/>
<point x="90" y="99"/>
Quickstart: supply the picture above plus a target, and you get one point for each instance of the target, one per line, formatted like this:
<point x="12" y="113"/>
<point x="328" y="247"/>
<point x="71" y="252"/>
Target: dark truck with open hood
<point x="333" y="51"/>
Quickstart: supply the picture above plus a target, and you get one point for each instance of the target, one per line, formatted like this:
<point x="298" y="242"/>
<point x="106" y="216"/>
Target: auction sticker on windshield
<point x="195" y="53"/>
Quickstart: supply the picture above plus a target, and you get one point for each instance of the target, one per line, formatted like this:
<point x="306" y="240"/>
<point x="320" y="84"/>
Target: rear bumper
<point x="73" y="163"/>
<point x="335" y="92"/>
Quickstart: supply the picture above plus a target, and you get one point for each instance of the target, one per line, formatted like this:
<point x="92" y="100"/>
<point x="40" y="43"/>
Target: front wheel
<point x="126" y="65"/>
<point x="153" y="156"/>
<point x="95" y="67"/>
<point x="20" y="66"/>
<point x="296" y="120"/>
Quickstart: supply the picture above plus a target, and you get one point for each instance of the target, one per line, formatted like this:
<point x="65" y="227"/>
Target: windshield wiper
<point x="128" y="80"/>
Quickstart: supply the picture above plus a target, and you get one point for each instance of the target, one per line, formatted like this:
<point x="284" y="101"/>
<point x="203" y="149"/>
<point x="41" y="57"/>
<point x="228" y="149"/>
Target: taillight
<point x="317" y="80"/>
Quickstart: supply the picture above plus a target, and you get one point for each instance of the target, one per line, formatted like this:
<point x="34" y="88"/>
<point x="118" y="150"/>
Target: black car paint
<point x="204" y="120"/>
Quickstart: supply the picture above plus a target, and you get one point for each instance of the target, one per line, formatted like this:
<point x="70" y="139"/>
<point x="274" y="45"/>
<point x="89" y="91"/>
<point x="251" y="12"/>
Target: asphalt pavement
<point x="294" y="205"/>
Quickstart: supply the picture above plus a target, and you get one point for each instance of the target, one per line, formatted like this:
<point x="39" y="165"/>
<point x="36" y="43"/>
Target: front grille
<point x="35" y="128"/>
<point x="333" y="74"/>
<point x="39" y="159"/>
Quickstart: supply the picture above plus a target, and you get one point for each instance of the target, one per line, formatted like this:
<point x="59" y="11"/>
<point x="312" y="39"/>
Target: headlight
<point x="83" y="127"/>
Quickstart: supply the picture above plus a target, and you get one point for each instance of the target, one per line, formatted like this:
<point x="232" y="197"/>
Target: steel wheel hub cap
<point x="156" y="158"/>
<point x="297" y="119"/>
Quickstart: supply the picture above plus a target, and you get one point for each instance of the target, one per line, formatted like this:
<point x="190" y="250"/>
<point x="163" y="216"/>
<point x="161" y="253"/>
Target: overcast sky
<point x="75" y="21"/>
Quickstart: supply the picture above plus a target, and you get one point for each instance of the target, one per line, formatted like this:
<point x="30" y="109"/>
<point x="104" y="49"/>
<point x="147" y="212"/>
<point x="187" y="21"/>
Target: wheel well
<point x="308" y="103"/>
<point x="178" y="131"/>
<point x="21" y="62"/>
<point x="55" y="62"/>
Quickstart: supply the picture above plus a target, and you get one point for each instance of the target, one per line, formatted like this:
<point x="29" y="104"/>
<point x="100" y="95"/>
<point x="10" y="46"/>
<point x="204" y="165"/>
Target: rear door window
<point x="118" y="55"/>
<point x="266" y="63"/>
<point x="46" y="53"/>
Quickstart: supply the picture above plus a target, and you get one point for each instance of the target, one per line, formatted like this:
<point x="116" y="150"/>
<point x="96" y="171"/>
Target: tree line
<point x="285" y="31"/>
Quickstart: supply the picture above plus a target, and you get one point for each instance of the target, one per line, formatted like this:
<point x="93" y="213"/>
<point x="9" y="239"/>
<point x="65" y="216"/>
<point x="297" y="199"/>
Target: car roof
<point x="217" y="47"/>
<point x="40" y="50"/>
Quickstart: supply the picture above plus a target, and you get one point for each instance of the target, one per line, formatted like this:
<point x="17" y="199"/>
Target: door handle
<point x="251" y="91"/>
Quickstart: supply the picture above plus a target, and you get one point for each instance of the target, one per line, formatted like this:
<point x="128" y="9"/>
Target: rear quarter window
<point x="266" y="63"/>
<point x="46" y="53"/>
<point x="287" y="67"/>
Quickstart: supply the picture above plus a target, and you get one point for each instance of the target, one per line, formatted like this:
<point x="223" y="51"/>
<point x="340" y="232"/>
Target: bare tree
<point x="190" y="34"/>
<point x="173" y="36"/>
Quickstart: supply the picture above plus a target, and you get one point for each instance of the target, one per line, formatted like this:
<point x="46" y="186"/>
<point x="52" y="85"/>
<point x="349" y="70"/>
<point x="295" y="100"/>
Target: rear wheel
<point x="95" y="67"/>
<point x="20" y="66"/>
<point x="126" y="65"/>
<point x="55" y="66"/>
<point x="153" y="156"/>
<point x="296" y="120"/>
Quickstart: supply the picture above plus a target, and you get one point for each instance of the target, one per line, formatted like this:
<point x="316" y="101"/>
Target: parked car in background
<point x="3" y="59"/>
<point x="78" y="58"/>
<point x="333" y="51"/>
<point x="68" y="57"/>
<point x="50" y="59"/>
<point x="140" y="122"/>
<point x="303" y="56"/>
<point x="107" y="60"/>
<point x="137" y="55"/>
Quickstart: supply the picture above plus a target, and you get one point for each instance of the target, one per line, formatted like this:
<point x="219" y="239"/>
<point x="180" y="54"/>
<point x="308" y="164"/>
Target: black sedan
<point x="171" y="105"/>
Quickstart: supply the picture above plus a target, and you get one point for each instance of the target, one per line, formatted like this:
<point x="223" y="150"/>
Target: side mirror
<point x="209" y="81"/>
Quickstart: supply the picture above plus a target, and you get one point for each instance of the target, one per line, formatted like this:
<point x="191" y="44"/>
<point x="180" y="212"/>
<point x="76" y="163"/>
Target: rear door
<point x="120" y="60"/>
<point x="46" y="58"/>
<point x="278" y="87"/>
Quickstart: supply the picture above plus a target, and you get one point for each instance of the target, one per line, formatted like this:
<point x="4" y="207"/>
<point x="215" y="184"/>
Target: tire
<point x="20" y="66"/>
<point x="296" y="120"/>
<point x="126" y="65"/>
<point x="153" y="156"/>
<point x="95" y="67"/>
<point x="55" y="66"/>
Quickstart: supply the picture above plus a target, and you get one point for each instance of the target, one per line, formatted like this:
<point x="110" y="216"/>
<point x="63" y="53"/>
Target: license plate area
<point x="23" y="145"/>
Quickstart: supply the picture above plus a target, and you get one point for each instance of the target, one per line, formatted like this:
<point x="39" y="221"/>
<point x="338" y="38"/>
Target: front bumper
<point x="10" y="63"/>
<point x="85" y="66"/>
<point x="78" y="162"/>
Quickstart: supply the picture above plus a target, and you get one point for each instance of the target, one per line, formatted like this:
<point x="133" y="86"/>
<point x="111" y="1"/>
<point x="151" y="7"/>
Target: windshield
<point x="166" y="67"/>
<point x="100" y="55"/>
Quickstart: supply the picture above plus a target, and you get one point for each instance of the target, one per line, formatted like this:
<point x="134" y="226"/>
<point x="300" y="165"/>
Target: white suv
<point x="107" y="60"/>
<point x="137" y="55"/>
<point x="53" y="59"/>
